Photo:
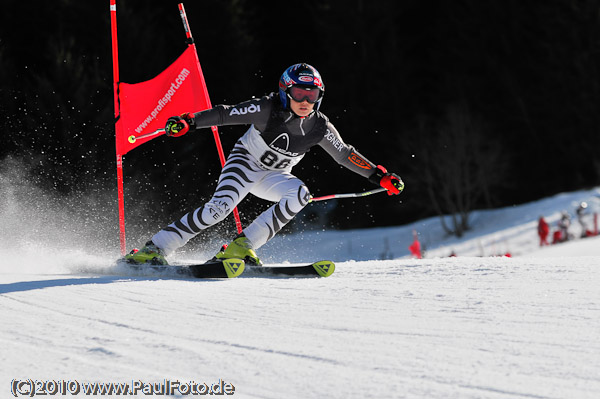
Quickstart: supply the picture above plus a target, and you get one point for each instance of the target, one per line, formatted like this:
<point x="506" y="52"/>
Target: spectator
<point x="543" y="231"/>
<point x="580" y="218"/>
<point x="556" y="237"/>
<point x="415" y="247"/>
<point x="563" y="224"/>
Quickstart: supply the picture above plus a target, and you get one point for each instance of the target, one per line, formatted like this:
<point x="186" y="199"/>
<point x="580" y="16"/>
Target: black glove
<point x="390" y="181"/>
<point x="179" y="125"/>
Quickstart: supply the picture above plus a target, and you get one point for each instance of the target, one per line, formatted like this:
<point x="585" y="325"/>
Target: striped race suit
<point x="260" y="163"/>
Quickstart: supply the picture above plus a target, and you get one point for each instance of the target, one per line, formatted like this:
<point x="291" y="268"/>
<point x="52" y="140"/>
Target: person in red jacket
<point x="543" y="231"/>
<point x="415" y="247"/>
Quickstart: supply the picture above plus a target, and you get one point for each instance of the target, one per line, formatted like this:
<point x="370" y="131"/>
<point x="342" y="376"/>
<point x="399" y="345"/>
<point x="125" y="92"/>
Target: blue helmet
<point x="300" y="75"/>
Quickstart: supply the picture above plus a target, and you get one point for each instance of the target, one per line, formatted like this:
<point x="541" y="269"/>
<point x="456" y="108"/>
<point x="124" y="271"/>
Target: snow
<point x="472" y="326"/>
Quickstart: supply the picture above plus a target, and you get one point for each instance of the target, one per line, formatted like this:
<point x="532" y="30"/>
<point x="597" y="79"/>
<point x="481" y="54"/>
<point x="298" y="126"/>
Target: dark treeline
<point x="498" y="98"/>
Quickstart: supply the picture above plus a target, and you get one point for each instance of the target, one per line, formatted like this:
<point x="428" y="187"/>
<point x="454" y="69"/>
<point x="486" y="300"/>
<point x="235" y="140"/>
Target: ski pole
<point x="349" y="195"/>
<point x="132" y="139"/>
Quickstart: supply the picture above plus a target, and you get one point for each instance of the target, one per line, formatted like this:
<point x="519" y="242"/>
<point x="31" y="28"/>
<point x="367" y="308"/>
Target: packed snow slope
<point x="473" y="326"/>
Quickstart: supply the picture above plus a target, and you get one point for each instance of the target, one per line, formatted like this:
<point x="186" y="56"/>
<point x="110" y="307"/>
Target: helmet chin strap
<point x="302" y="117"/>
<point x="298" y="116"/>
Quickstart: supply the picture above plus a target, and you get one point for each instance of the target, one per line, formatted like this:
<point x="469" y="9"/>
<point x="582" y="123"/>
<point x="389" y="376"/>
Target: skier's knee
<point x="298" y="198"/>
<point x="215" y="211"/>
<point x="303" y="195"/>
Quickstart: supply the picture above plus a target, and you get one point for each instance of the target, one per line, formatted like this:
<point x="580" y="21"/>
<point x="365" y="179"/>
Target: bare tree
<point x="458" y="166"/>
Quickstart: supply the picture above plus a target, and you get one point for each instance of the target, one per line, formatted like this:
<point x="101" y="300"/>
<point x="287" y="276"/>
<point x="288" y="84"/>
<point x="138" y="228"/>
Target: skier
<point x="282" y="129"/>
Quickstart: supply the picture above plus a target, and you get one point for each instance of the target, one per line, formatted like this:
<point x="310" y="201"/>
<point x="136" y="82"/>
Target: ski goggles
<point x="301" y="93"/>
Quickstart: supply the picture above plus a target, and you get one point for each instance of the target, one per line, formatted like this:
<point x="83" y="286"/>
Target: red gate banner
<point x="146" y="106"/>
<point x="141" y="109"/>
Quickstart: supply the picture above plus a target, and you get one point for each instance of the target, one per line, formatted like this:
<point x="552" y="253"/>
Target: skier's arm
<point x="248" y="112"/>
<point x="347" y="156"/>
<point x="255" y="111"/>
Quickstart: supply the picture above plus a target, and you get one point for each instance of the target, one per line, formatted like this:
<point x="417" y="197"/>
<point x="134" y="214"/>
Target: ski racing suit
<point x="260" y="163"/>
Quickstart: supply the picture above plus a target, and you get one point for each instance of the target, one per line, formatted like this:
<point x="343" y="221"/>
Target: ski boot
<point x="240" y="248"/>
<point x="150" y="254"/>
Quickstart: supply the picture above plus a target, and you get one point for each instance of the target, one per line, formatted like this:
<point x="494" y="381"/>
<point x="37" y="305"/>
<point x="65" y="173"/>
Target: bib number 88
<point x="271" y="160"/>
